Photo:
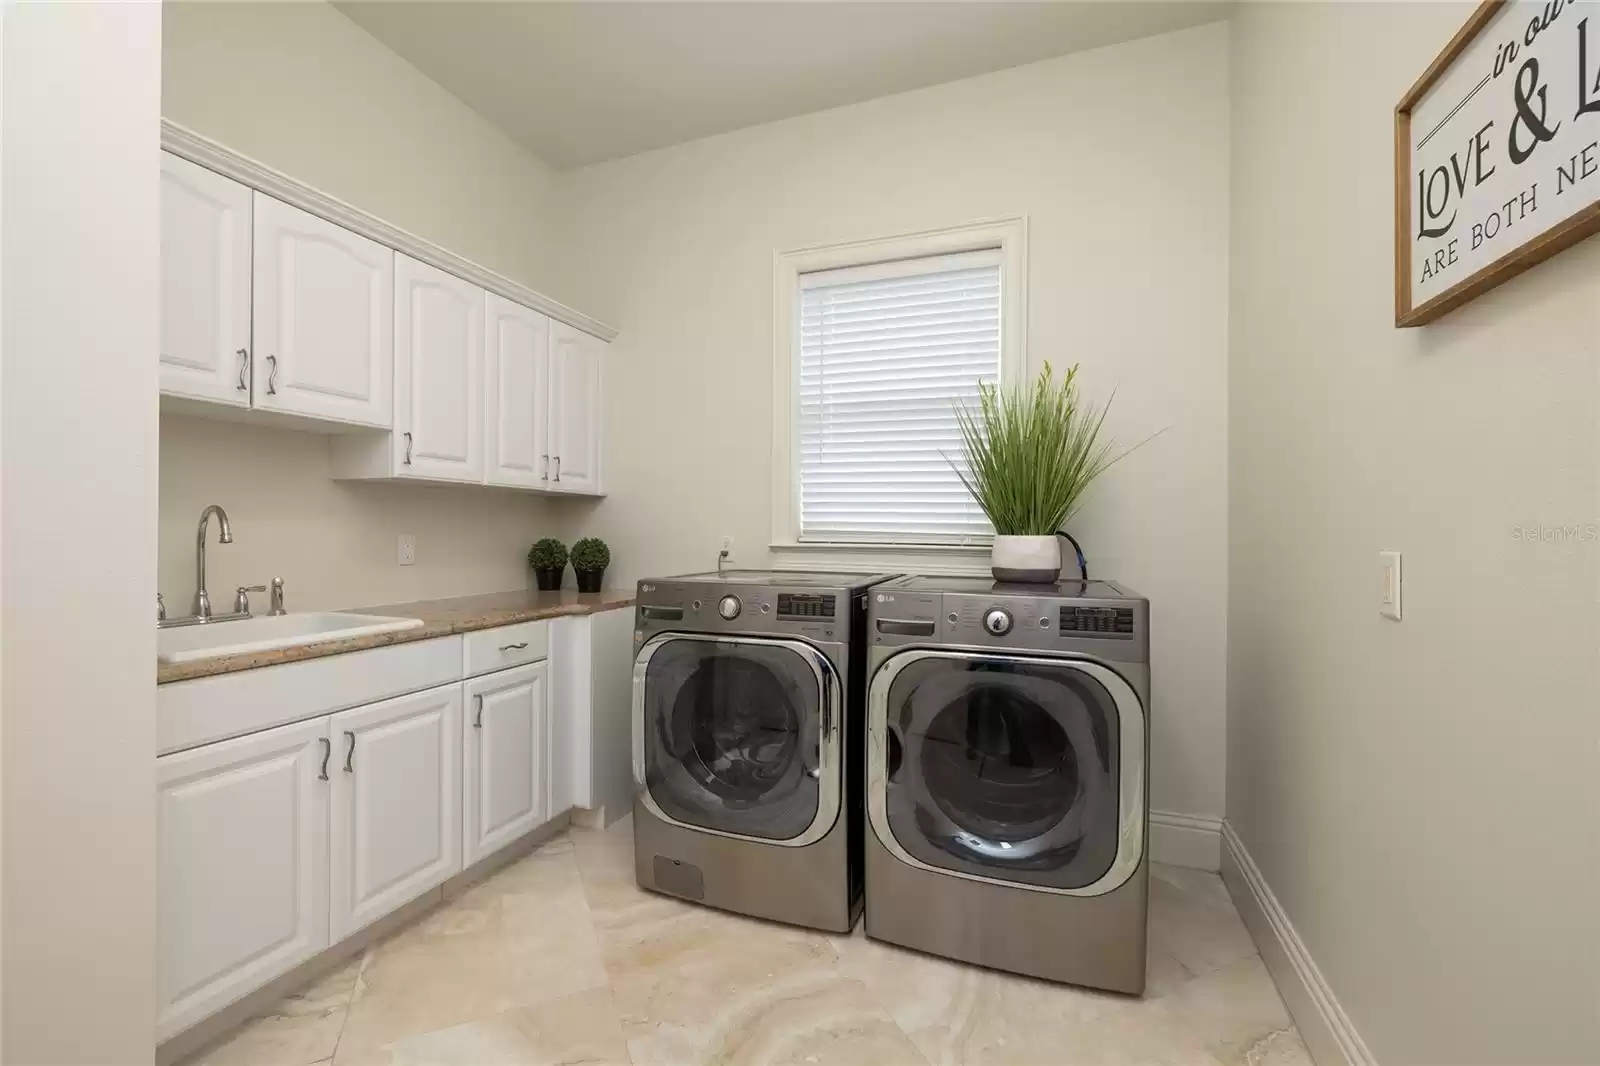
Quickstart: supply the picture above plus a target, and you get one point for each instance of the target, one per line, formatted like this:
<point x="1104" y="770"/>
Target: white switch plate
<point x="407" y="553"/>
<point x="1389" y="585"/>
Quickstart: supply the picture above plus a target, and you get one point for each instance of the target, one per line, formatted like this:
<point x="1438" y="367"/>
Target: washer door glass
<point x="1004" y="769"/>
<point x="730" y="736"/>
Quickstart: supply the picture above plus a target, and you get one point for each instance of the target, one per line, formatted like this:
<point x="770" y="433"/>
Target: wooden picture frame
<point x="1541" y="246"/>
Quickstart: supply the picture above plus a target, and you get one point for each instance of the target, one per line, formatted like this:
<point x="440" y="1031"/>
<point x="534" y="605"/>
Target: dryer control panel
<point x="985" y="615"/>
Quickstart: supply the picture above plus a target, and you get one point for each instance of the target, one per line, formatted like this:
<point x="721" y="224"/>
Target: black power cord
<point x="1083" y="565"/>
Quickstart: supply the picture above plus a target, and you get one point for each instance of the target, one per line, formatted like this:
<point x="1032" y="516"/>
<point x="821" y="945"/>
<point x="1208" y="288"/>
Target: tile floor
<point x="561" y="958"/>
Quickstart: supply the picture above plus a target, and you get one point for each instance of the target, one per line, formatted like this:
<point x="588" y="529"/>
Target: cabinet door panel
<point x="205" y="284"/>
<point x="396" y="804"/>
<point x="575" y="383"/>
<point x="439" y="323"/>
<point x="324" y="318"/>
<point x="505" y="744"/>
<point x="518" y="399"/>
<point x="243" y="875"/>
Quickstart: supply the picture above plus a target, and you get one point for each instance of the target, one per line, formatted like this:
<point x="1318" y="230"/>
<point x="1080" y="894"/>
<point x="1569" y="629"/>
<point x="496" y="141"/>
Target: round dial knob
<point x="728" y="607"/>
<point x="997" y="620"/>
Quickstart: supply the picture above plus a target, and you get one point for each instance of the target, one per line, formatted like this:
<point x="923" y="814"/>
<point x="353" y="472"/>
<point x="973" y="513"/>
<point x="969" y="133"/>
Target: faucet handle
<point x="241" y="602"/>
<point x="277" y="596"/>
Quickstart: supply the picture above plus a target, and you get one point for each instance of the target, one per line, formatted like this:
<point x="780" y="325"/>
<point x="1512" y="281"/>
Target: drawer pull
<point x="513" y="647"/>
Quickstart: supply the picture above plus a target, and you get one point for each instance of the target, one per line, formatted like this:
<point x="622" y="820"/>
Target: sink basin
<point x="215" y="639"/>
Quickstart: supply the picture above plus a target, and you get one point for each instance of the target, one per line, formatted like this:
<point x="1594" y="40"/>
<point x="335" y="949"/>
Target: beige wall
<point x="78" y="333"/>
<point x="333" y="542"/>
<point x="1118" y="158"/>
<point x="1421" y="796"/>
<point x="303" y="89"/>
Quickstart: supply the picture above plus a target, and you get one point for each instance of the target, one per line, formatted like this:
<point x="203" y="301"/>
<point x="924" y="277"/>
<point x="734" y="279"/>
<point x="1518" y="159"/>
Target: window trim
<point x="1010" y="236"/>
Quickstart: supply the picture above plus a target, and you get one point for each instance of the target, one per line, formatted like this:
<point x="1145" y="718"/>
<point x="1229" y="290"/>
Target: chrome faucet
<point x="202" y="601"/>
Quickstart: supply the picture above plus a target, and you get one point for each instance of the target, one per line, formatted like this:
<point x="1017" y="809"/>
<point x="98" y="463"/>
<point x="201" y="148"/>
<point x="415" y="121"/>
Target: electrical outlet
<point x="407" y="553"/>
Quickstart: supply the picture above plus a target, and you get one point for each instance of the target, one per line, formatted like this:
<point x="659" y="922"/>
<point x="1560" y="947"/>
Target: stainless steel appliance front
<point x="748" y="732"/>
<point x="1006" y="783"/>
<point x="738" y="736"/>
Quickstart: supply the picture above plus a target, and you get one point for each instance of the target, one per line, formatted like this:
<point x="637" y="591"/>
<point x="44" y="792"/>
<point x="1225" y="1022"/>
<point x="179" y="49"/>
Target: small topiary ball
<point x="590" y="554"/>
<point x="547" y="553"/>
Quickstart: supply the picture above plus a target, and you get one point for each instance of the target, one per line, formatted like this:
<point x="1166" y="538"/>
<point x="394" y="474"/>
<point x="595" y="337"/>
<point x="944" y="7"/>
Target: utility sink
<point x="215" y="639"/>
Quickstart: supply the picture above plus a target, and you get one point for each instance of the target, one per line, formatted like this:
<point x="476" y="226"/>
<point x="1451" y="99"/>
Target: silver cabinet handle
<point x="350" y="753"/>
<point x="477" y="723"/>
<point x="244" y="368"/>
<point x="558" y="468"/>
<point x="272" y="375"/>
<point x="544" y="469"/>
<point x="327" y="750"/>
<point x="408" y="449"/>
<point x="512" y="647"/>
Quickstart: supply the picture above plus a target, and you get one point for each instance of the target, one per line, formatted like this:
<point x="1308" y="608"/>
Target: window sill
<point x="963" y="560"/>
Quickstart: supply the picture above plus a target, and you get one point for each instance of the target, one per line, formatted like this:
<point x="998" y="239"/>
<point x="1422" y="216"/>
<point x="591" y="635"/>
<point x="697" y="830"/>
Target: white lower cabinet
<point x="505" y="787"/>
<point x="396" y="829"/>
<point x="276" y="845"/>
<point x="242" y="869"/>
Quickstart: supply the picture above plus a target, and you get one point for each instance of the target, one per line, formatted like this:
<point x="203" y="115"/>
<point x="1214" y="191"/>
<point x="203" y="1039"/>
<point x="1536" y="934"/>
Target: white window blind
<point x="884" y="351"/>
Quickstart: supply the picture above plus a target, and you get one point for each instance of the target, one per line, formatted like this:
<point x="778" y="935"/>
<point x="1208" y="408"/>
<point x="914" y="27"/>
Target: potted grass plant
<point x="1030" y="453"/>
<point x="548" y="557"/>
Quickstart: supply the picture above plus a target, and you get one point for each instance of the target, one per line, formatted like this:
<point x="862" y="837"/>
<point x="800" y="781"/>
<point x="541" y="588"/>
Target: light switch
<point x="1389" y="585"/>
<point x="408" y="549"/>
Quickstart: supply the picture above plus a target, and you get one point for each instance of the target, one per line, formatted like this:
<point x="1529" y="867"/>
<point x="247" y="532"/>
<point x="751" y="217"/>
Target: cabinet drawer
<point x="496" y="649"/>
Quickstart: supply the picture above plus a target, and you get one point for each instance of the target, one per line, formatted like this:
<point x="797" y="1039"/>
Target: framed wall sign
<point x="1497" y="153"/>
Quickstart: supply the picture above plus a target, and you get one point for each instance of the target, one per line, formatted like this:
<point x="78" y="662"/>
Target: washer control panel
<point x="729" y="607"/>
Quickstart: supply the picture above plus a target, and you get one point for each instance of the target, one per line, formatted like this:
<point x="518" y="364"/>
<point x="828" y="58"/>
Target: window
<point x="885" y="352"/>
<point x="882" y="339"/>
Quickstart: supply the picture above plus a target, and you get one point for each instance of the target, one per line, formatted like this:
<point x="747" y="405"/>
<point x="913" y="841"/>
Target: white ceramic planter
<point x="1035" y="560"/>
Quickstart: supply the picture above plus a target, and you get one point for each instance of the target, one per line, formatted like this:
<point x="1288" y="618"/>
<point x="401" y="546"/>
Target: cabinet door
<point x="575" y="381"/>
<point x="324" y="318"/>
<point x="242" y="868"/>
<point x="516" y="407"/>
<point x="396" y="827"/>
<point x="205" y="284"/>
<point x="439" y="320"/>
<point x="505" y="740"/>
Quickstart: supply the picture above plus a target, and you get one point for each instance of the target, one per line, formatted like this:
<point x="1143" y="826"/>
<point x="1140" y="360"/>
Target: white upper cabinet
<point x="396" y="822"/>
<point x="205" y="284"/>
<point x="242" y="837"/>
<point x="575" y="381"/>
<point x="324" y="318"/>
<point x="517" y="401"/>
<point x="438" y="368"/>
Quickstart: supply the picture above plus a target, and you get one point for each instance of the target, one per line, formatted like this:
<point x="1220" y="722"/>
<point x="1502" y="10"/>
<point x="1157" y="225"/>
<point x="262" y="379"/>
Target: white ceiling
<point x="579" y="83"/>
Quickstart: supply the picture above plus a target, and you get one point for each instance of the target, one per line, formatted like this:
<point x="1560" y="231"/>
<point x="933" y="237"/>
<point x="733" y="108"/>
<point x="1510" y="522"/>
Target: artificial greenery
<point x="547" y="552"/>
<point x="590" y="554"/>
<point x="1031" y="451"/>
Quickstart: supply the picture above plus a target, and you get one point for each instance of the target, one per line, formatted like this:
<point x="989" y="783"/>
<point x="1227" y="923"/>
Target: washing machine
<point x="1008" y="739"/>
<point x="749" y="692"/>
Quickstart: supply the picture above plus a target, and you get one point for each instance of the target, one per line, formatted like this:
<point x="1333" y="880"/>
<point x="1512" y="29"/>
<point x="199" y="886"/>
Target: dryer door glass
<point x="730" y="735"/>
<point x="1005" y="769"/>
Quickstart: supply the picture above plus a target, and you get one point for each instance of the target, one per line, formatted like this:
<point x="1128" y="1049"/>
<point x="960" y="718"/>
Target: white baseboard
<point x="1324" y="1026"/>
<point x="1193" y="840"/>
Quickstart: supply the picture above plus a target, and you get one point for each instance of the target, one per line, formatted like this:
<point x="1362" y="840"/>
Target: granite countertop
<point x="440" y="618"/>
